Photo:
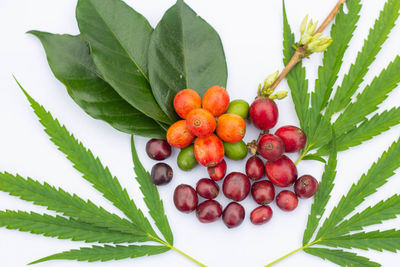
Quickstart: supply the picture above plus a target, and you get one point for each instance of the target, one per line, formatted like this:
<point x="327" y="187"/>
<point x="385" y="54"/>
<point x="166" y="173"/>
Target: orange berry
<point x="231" y="128"/>
<point x="209" y="151"/>
<point x="216" y="100"/>
<point x="185" y="101"/>
<point x="178" y="135"/>
<point x="200" y="122"/>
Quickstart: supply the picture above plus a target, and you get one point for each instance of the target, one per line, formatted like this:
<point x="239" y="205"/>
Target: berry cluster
<point x="204" y="117"/>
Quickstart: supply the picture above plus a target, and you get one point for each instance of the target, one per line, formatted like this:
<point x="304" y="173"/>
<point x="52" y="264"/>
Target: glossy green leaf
<point x="119" y="38"/>
<point x="185" y="52"/>
<point x="70" y="61"/>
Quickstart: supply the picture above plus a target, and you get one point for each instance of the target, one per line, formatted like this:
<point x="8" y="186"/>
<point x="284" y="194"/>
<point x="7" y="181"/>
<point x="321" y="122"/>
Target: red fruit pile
<point x="200" y="120"/>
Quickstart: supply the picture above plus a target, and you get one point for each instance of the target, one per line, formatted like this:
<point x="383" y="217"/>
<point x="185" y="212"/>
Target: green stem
<point x="293" y="252"/>
<point x="179" y="251"/>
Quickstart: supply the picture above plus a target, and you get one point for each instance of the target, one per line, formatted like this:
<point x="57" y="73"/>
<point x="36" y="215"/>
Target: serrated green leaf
<point x="296" y="78"/>
<point x="71" y="63"/>
<point x="341" y="34"/>
<point x="119" y="39"/>
<point x="61" y="228"/>
<point x="91" y="167"/>
<point x="386" y="240"/>
<point x="369" y="99"/>
<point x="377" y="176"/>
<point x="314" y="157"/>
<point x="185" y="52"/>
<point x="105" y="253"/>
<point x="366" y="130"/>
<point x="372" y="45"/>
<point x="323" y="195"/>
<point x="151" y="196"/>
<point x="342" y="258"/>
<point x="70" y="205"/>
<point x="384" y="210"/>
<point x="319" y="136"/>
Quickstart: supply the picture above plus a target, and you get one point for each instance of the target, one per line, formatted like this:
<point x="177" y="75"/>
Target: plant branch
<point x="301" y="51"/>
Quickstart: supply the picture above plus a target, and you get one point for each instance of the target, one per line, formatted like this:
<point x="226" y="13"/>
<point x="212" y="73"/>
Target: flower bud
<point x="278" y="95"/>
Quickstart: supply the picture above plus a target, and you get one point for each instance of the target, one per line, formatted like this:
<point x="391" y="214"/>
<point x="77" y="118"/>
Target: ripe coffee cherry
<point x="293" y="138"/>
<point x="255" y="168"/>
<point x="264" y="113"/>
<point x="178" y="135"/>
<point x="208" y="211"/>
<point x="207" y="188"/>
<point x="270" y="147"/>
<point x="200" y="122"/>
<point x="218" y="171"/>
<point x="287" y="200"/>
<point x="186" y="159"/>
<point x="282" y="172"/>
<point x="209" y="151"/>
<point x="263" y="192"/>
<point x="185" y="101"/>
<point x="306" y="186"/>
<point x="161" y="174"/>
<point x="216" y="100"/>
<point x="239" y="107"/>
<point x="231" y="128"/>
<point x="233" y="215"/>
<point x="236" y="186"/>
<point x="185" y="198"/>
<point x="158" y="149"/>
<point x="261" y="215"/>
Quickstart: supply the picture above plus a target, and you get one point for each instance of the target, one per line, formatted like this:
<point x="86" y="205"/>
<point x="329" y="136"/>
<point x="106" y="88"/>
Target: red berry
<point x="185" y="198"/>
<point x="161" y="174"/>
<point x="185" y="101"/>
<point x="261" y="215"/>
<point x="306" y="186"/>
<point x="282" y="172"/>
<point x="158" y="149"/>
<point x="293" y="138"/>
<point x="255" y="168"/>
<point x="270" y="147"/>
<point x="200" y="122"/>
<point x="208" y="211"/>
<point x="263" y="192"/>
<point x="216" y="100"/>
<point x="207" y="188"/>
<point x="209" y="151"/>
<point x="236" y="186"/>
<point x="287" y="200"/>
<point x="233" y="215"/>
<point x="264" y="113"/>
<point x="218" y="171"/>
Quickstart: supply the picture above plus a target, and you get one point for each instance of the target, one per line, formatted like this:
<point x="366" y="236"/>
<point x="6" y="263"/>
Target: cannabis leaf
<point x="82" y="220"/>
<point x="337" y="231"/>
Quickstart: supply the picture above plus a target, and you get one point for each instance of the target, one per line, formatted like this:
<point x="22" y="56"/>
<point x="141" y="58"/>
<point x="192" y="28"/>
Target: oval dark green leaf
<point x="185" y="52"/>
<point x="119" y="38"/>
<point x="70" y="61"/>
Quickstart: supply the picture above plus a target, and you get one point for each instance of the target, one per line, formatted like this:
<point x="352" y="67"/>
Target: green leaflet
<point x="151" y="196"/>
<point x="322" y="196"/>
<point x="185" y="52"/>
<point x="70" y="61"/>
<point x="386" y="240"/>
<point x="91" y="167"/>
<point x="61" y="228"/>
<point x="341" y="257"/>
<point x="296" y="78"/>
<point x="119" y="38"/>
<point x="70" y="205"/>
<point x="372" y="45"/>
<point x="105" y="253"/>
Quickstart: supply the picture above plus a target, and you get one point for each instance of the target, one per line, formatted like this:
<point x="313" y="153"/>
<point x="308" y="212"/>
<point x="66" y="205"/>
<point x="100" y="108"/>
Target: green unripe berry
<point x="239" y="107"/>
<point x="236" y="151"/>
<point x="186" y="159"/>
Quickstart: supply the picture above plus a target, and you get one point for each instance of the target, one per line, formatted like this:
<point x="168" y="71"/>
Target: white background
<point x="251" y="32"/>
